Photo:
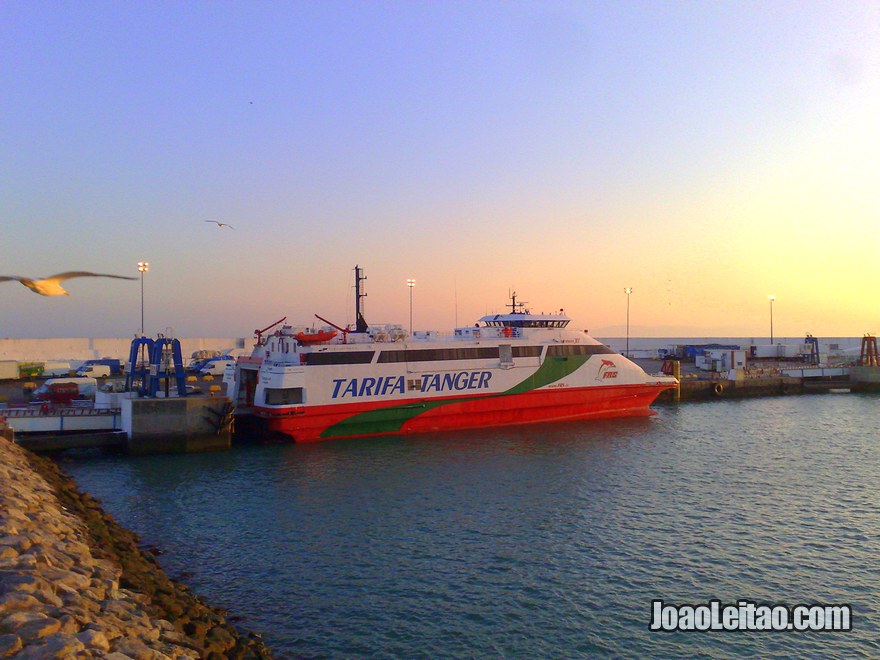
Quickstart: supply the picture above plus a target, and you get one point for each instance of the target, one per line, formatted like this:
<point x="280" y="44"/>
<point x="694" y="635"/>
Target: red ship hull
<point x="316" y="423"/>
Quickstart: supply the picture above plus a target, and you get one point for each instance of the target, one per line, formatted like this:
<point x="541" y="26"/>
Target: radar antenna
<point x="516" y="307"/>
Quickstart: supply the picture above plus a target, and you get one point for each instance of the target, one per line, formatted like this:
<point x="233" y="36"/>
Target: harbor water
<point x="539" y="541"/>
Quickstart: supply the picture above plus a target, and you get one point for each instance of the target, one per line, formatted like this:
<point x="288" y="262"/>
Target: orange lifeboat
<point x="315" y="337"/>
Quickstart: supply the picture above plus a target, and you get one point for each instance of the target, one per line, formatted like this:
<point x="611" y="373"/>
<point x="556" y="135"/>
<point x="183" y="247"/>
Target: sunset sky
<point x="707" y="154"/>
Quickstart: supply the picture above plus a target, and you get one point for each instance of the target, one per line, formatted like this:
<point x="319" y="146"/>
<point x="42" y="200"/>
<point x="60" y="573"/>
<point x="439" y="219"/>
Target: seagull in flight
<point x="51" y="286"/>
<point x="220" y="224"/>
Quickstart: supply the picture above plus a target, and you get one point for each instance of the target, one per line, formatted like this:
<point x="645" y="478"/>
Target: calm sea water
<point x="546" y="541"/>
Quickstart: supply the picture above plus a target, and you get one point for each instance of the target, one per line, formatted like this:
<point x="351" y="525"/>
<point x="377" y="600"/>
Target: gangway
<point x="868" y="356"/>
<point x="165" y="361"/>
<point x="138" y="364"/>
<point x="813" y="343"/>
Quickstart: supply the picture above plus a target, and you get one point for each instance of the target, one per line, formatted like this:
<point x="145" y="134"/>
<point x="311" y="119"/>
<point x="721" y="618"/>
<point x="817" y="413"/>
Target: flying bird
<point x="51" y="286"/>
<point x="220" y="224"/>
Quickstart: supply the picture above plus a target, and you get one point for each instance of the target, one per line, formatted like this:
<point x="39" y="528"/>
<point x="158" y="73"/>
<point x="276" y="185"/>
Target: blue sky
<point x="705" y="153"/>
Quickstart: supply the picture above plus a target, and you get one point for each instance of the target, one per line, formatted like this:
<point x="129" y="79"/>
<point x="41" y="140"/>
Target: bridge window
<point x="337" y="357"/>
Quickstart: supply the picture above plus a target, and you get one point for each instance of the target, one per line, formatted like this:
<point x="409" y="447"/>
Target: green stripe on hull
<point x="391" y="419"/>
<point x="553" y="369"/>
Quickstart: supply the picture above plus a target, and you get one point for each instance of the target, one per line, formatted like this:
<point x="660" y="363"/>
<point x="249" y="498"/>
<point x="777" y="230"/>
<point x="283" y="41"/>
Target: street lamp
<point x="627" y="290"/>
<point x="410" y="283"/>
<point x="143" y="267"/>
<point x="772" y="298"/>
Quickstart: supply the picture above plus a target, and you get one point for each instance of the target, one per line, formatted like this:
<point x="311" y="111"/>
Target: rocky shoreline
<point x="75" y="584"/>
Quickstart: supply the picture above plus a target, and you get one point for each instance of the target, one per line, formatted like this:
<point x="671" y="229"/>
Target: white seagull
<point x="220" y="224"/>
<point x="51" y="286"/>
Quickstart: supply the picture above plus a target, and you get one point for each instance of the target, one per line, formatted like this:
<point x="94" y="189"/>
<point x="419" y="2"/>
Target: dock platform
<point x="137" y="426"/>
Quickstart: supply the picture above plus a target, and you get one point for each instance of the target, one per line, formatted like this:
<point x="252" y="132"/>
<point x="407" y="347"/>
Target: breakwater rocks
<point x="75" y="584"/>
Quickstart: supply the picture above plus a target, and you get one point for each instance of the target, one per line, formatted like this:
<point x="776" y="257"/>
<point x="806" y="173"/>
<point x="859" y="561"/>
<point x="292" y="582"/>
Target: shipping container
<point x="8" y="370"/>
<point x="765" y="351"/>
<point x="30" y="369"/>
<point x="56" y="368"/>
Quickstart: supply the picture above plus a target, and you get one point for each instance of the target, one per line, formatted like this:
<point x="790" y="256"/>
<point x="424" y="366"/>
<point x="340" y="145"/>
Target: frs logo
<point x="607" y="370"/>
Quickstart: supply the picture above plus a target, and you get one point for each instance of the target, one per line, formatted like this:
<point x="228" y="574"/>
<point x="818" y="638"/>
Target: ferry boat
<point x="512" y="368"/>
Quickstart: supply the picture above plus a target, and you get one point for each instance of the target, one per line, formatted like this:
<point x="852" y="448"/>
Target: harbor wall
<point x="178" y="425"/>
<point x="74" y="583"/>
<point x="837" y="349"/>
<point x="91" y="348"/>
<point x="865" y="378"/>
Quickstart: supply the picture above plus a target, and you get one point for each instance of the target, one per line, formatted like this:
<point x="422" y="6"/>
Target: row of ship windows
<point x="526" y="324"/>
<point x="446" y="354"/>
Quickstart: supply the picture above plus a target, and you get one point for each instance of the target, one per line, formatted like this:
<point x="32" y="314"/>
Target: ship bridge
<point x="525" y="320"/>
<point x="520" y="317"/>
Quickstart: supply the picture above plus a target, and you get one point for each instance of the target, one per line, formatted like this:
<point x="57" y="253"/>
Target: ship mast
<point x="516" y="307"/>
<point x="360" y="322"/>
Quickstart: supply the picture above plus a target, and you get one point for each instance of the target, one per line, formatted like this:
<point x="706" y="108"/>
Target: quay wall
<point x="74" y="583"/>
<point x="722" y="388"/>
<point x="831" y="349"/>
<point x="91" y="348"/>
<point x="865" y="378"/>
<point x="177" y="425"/>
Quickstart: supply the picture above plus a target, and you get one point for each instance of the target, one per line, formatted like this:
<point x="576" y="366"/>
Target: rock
<point x="9" y="644"/>
<point x="82" y="607"/>
<point x="23" y="561"/>
<point x="22" y="583"/>
<point x="172" y="609"/>
<point x="196" y="629"/>
<point x="76" y="549"/>
<point x="38" y="629"/>
<point x="68" y="578"/>
<point x="94" y="639"/>
<point x="219" y="639"/>
<point x="164" y="625"/>
<point x="106" y="568"/>
<point x="17" y="541"/>
<point x="45" y="595"/>
<point x="16" y="620"/>
<point x="14" y="601"/>
<point x="179" y="639"/>
<point x="136" y="649"/>
<point x="56" y="647"/>
<point x="75" y="584"/>
<point x="69" y="624"/>
<point x="15" y="514"/>
<point x="40" y="556"/>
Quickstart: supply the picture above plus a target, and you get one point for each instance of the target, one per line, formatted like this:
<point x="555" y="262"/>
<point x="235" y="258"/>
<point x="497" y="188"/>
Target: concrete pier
<point x="865" y="378"/>
<point x="693" y="389"/>
<point x="52" y="442"/>
<point x="185" y="424"/>
<point x="139" y="426"/>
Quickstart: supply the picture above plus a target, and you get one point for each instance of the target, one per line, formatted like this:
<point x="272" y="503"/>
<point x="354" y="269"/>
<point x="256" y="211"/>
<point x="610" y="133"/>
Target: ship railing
<point x="505" y="332"/>
<point x="488" y="332"/>
<point x="59" y="412"/>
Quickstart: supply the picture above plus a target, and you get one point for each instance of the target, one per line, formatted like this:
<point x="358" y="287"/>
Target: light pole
<point x="143" y="267"/>
<point x="410" y="283"/>
<point x="627" y="290"/>
<point x="772" y="298"/>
